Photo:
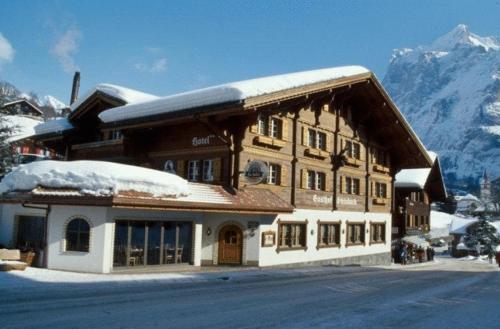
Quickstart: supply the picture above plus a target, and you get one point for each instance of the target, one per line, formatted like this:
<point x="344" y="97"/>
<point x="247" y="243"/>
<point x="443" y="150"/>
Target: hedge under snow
<point x="99" y="178"/>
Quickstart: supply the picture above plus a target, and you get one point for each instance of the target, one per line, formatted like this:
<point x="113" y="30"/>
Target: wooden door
<point x="230" y="245"/>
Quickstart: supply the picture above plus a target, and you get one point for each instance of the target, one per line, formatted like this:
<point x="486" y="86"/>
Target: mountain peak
<point x="461" y="36"/>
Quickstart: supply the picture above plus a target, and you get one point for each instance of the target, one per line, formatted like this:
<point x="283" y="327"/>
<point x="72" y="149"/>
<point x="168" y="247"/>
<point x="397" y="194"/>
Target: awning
<point x="416" y="240"/>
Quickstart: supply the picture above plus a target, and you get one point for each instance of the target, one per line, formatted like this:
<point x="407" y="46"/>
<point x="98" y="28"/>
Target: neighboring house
<point x="416" y="189"/>
<point x="466" y="204"/>
<point x="295" y="168"/>
<point x="21" y="107"/>
<point x="458" y="229"/>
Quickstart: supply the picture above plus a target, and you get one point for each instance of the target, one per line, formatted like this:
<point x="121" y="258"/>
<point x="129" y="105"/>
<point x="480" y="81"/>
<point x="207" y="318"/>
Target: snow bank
<point x="22" y="126"/>
<point x="98" y="178"/>
<point x="230" y="92"/>
<point x="53" y="126"/>
<point x="126" y="95"/>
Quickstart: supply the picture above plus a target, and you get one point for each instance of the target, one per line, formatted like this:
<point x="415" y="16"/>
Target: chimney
<point x="75" y="88"/>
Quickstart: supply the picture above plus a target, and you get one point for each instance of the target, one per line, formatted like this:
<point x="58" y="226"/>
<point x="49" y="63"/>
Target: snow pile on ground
<point x="230" y="92"/>
<point x="53" y="126"/>
<point x="126" y="95"/>
<point x="97" y="178"/>
<point x="22" y="126"/>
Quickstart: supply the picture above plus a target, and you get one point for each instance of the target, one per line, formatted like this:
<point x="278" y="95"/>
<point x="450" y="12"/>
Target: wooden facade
<point x="333" y="145"/>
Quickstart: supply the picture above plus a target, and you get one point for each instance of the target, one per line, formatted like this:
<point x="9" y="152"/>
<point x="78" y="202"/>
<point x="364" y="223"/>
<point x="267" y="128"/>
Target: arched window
<point x="77" y="235"/>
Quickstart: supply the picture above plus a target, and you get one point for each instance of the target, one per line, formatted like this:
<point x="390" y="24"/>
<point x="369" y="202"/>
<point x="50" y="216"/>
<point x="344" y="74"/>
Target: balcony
<point x="91" y="145"/>
<point x="318" y="153"/>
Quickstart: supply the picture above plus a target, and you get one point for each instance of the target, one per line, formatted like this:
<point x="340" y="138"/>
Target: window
<point x="355" y="233"/>
<point x="377" y="231"/>
<point x="115" y="134"/>
<point x="292" y="235"/>
<point x="77" y="235"/>
<point x="267" y="126"/>
<point x="378" y="157"/>
<point x="381" y="190"/>
<point x="352" y="185"/>
<point x="329" y="235"/>
<point x="193" y="170"/>
<point x="317" y="139"/>
<point x="208" y="170"/>
<point x="353" y="150"/>
<point x="316" y="180"/>
<point x="274" y="176"/>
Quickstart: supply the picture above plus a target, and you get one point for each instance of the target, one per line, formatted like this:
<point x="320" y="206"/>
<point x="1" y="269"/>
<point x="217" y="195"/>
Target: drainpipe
<point x="45" y="227"/>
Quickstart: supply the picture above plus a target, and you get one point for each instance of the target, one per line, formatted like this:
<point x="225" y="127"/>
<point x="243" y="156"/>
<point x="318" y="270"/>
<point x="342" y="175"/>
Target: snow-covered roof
<point x="467" y="197"/>
<point x="127" y="95"/>
<point x="230" y="92"/>
<point x="22" y="126"/>
<point x="97" y="178"/>
<point x="23" y="101"/>
<point x="412" y="177"/>
<point x="53" y="126"/>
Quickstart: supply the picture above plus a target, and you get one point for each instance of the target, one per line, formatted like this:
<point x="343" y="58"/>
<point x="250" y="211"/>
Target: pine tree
<point x="6" y="156"/>
<point x="483" y="233"/>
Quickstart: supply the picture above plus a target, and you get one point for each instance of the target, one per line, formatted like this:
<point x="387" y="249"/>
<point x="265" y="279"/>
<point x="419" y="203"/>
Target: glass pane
<point x="154" y="243"/>
<point x="137" y="243"/>
<point x="169" y="243"/>
<point x="185" y="242"/>
<point x="121" y="237"/>
<point x="31" y="233"/>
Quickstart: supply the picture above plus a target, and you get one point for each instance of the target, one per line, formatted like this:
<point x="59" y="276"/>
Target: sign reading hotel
<point x="201" y="141"/>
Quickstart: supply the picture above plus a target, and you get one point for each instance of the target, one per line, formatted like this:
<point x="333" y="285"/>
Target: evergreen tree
<point x="483" y="233"/>
<point x="6" y="156"/>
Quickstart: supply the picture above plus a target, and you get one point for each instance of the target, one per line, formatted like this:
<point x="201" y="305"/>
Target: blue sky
<point x="164" y="47"/>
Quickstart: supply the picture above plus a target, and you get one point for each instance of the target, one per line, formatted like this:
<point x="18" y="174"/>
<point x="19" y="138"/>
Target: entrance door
<point x="230" y="245"/>
<point x="31" y="236"/>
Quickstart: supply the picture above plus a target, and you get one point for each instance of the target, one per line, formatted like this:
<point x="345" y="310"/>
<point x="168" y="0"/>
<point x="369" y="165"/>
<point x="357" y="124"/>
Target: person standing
<point x="403" y="254"/>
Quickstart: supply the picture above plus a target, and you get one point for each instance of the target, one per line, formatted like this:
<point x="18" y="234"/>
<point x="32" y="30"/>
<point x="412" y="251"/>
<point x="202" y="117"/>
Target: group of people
<point x="405" y="253"/>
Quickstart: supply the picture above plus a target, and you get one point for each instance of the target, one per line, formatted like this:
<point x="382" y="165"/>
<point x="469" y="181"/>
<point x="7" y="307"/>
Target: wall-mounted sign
<point x="322" y="199"/>
<point x="268" y="238"/>
<point x="256" y="172"/>
<point x="169" y="167"/>
<point x="347" y="201"/>
<point x="200" y="141"/>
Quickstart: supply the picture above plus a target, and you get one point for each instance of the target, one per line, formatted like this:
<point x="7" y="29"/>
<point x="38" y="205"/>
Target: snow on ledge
<point x="230" y="92"/>
<point x="97" y="178"/>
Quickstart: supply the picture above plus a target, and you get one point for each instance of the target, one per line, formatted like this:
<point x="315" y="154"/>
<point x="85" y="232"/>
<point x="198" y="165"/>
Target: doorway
<point x="230" y="245"/>
<point x="31" y="236"/>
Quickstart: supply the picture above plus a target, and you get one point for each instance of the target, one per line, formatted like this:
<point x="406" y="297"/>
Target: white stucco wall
<point x="268" y="255"/>
<point x="8" y="213"/>
<point x="97" y="259"/>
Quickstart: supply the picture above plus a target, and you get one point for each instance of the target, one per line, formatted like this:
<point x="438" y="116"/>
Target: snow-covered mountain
<point x="54" y="103"/>
<point x="450" y="93"/>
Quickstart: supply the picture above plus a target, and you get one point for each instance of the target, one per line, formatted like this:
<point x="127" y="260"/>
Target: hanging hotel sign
<point x="256" y="172"/>
<point x="200" y="141"/>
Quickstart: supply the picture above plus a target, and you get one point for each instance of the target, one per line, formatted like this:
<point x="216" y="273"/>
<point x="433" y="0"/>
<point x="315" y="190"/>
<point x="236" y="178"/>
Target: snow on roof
<point x="467" y="197"/>
<point x="129" y="96"/>
<point x="230" y="92"/>
<point x="97" y="178"/>
<point x="53" y="126"/>
<point x="412" y="177"/>
<point x="22" y="126"/>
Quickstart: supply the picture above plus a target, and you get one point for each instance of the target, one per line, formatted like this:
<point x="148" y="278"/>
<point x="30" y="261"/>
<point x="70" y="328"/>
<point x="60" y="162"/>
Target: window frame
<point x="204" y="176"/>
<point x="280" y="246"/>
<point x="352" y="185"/>
<point x="362" y="231"/>
<point x="338" y="235"/>
<point x="381" y="190"/>
<point x="195" y="171"/>
<point x="277" y="172"/>
<point x="79" y="246"/>
<point x="376" y="226"/>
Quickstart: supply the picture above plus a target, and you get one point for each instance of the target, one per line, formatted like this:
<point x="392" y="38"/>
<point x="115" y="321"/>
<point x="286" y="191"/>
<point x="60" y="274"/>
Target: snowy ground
<point x="447" y="293"/>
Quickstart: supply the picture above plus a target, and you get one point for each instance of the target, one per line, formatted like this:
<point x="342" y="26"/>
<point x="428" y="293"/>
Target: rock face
<point x="450" y="93"/>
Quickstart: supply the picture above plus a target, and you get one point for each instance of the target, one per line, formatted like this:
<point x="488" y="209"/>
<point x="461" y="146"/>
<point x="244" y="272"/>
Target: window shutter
<point x="181" y="168"/>
<point x="303" y="180"/>
<point x="254" y="128"/>
<point x="328" y="183"/>
<point x="341" y="184"/>
<point x="329" y="145"/>
<point x="362" y="186"/>
<point x="284" y="176"/>
<point x="388" y="191"/>
<point x="284" y="131"/>
<point x="217" y="169"/>
<point x="305" y="136"/>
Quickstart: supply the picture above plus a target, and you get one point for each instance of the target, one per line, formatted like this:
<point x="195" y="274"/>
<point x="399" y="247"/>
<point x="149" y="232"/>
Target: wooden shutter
<point x="305" y="136"/>
<point x="341" y="184"/>
<point x="217" y="169"/>
<point x="303" y="178"/>
<point x="329" y="143"/>
<point x="362" y="186"/>
<point x="388" y="191"/>
<point x="284" y="129"/>
<point x="328" y="182"/>
<point x="284" y="176"/>
<point x="254" y="128"/>
<point x="181" y="168"/>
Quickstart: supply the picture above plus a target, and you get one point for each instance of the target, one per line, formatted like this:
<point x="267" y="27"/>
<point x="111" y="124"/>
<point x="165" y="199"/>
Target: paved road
<point x="448" y="294"/>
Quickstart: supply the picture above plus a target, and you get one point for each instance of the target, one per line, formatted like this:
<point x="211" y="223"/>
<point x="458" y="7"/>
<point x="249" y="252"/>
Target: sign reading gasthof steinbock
<point x="256" y="172"/>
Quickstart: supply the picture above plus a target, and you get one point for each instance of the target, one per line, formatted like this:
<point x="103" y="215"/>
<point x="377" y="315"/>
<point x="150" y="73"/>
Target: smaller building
<point x="21" y="107"/>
